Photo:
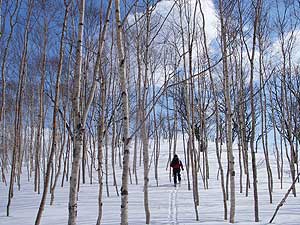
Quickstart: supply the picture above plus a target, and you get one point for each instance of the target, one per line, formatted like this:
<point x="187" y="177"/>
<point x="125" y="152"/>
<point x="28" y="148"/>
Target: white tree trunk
<point x="78" y="125"/>
<point x="54" y="122"/>
<point x="102" y="36"/>
<point x="228" y="112"/>
<point x="125" y="113"/>
<point x="213" y="88"/>
<point x="18" y="108"/>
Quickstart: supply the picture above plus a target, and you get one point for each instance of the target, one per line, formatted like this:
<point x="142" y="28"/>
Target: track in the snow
<point x="173" y="220"/>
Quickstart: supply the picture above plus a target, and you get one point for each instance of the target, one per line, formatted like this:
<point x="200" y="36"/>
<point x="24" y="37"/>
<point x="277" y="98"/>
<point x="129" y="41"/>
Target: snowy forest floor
<point x="168" y="204"/>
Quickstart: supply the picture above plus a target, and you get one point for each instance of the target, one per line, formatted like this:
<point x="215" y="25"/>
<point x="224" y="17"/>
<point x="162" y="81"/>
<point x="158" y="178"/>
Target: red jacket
<point x="176" y="164"/>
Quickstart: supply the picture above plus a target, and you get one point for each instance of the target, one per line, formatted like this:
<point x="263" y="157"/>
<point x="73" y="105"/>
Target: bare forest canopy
<point x="76" y="75"/>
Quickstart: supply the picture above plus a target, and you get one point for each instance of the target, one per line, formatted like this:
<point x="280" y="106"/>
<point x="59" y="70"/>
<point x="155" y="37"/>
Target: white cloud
<point x="163" y="8"/>
<point x="292" y="38"/>
<point x="169" y="35"/>
<point x="171" y="29"/>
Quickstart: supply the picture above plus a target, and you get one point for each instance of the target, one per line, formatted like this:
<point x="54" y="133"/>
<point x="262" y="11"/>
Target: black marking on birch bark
<point x="79" y="125"/>
<point x="123" y="93"/>
<point x="122" y="62"/>
<point x="124" y="192"/>
<point x="126" y="141"/>
<point x="72" y="206"/>
<point x="126" y="151"/>
<point x="233" y="173"/>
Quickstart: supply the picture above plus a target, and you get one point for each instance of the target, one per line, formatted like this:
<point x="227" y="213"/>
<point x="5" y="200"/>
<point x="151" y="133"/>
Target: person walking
<point x="176" y="164"/>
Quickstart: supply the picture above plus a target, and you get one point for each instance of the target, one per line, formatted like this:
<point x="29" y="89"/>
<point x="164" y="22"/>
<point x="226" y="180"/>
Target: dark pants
<point x="176" y="173"/>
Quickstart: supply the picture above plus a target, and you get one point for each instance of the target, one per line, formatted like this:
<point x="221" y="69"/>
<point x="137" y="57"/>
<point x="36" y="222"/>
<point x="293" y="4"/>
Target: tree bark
<point x="18" y="109"/>
<point x="97" y="70"/>
<point x="54" y="122"/>
<point x="228" y="113"/>
<point x="78" y="122"/>
<point x="125" y="115"/>
<point x="216" y="113"/>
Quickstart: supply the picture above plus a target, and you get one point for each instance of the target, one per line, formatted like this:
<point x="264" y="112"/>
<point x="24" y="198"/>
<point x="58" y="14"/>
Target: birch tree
<point x="225" y="14"/>
<point x="55" y="113"/>
<point x="18" y="107"/>
<point x="125" y="114"/>
<point x="12" y="23"/>
<point x="78" y="123"/>
<point x="97" y="70"/>
<point x="251" y="55"/>
<point x="217" y="120"/>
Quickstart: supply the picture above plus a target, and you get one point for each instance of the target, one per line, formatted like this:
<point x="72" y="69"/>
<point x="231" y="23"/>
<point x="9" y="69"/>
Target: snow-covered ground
<point x="168" y="204"/>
